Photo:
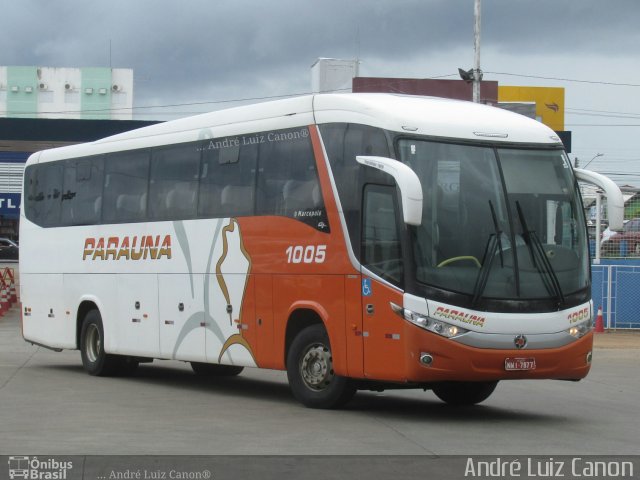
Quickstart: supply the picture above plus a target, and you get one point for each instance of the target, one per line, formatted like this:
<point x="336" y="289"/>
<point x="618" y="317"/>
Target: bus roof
<point x="431" y="116"/>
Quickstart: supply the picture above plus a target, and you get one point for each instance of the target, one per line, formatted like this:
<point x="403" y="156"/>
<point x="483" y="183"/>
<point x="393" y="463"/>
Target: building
<point x="76" y="93"/>
<point x="332" y="75"/>
<point x="47" y="107"/>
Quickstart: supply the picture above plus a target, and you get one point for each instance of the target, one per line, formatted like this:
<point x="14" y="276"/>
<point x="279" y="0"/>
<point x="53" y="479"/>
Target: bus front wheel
<point x="464" y="393"/>
<point x="310" y="371"/>
<point x="94" y="359"/>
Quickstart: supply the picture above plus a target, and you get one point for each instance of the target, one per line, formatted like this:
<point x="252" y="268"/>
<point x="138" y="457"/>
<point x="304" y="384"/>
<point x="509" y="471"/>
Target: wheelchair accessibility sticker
<point x="366" y="287"/>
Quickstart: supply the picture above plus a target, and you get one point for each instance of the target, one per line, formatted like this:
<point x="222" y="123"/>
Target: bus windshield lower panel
<point x="498" y="224"/>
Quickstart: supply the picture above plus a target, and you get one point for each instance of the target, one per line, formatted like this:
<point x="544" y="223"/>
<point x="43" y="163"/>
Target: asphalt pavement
<point x="48" y="404"/>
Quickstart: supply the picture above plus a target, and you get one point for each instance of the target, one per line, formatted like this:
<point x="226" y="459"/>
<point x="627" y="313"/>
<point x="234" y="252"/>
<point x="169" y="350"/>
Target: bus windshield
<point x="497" y="223"/>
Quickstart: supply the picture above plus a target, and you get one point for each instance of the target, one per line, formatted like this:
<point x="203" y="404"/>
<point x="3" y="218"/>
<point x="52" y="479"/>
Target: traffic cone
<point x="13" y="296"/>
<point x="7" y="283"/>
<point x="4" y="299"/>
<point x="599" y="323"/>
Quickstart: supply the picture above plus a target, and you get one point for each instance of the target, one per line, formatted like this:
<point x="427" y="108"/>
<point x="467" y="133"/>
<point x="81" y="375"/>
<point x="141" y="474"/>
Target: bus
<point x="357" y="241"/>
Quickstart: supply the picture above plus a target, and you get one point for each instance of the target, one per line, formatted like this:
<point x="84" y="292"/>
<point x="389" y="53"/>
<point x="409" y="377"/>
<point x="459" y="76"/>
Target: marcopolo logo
<point x="33" y="468"/>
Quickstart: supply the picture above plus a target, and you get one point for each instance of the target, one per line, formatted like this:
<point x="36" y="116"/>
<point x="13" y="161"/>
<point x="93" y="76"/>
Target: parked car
<point x="608" y="233"/>
<point x="624" y="243"/>
<point x="8" y="250"/>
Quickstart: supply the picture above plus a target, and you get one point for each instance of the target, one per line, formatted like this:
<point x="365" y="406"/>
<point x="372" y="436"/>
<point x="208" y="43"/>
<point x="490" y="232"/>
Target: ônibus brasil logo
<point x="32" y="468"/>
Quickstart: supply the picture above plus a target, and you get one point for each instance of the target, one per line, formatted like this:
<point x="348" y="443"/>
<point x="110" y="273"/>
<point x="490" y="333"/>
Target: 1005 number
<point x="306" y="254"/>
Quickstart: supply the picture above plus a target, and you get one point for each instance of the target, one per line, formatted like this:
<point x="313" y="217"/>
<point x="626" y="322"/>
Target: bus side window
<point x="173" y="184"/>
<point x="227" y="180"/>
<point x="82" y="191"/>
<point x="343" y="142"/>
<point x="287" y="179"/>
<point x="381" y="252"/>
<point x="125" y="188"/>
<point x="43" y="187"/>
<point x="33" y="196"/>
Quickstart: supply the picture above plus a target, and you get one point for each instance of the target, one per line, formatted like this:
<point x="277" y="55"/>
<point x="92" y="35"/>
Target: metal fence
<point x="616" y="288"/>
<point x="607" y="243"/>
<point x="616" y="259"/>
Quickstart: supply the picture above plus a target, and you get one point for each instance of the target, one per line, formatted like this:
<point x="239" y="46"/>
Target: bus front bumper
<point x="431" y="358"/>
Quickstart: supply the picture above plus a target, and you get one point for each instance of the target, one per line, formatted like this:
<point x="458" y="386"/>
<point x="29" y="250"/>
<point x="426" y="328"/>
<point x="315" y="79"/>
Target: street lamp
<point x="596" y="156"/>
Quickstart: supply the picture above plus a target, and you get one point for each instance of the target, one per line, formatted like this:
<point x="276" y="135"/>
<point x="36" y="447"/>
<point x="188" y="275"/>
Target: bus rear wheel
<point x="310" y="371"/>
<point x="95" y="360"/>
<point x="464" y="393"/>
<point x="214" y="370"/>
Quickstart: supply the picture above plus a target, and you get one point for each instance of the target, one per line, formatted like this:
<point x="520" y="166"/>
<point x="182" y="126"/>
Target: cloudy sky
<point x="200" y="55"/>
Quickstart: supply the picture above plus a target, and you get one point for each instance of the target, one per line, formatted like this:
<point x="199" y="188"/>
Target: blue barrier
<point x="616" y="288"/>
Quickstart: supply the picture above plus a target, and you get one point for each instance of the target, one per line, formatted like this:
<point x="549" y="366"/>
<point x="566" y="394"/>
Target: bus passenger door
<point x="382" y="255"/>
<point x="353" y="315"/>
<point x="137" y="321"/>
<point x="182" y="324"/>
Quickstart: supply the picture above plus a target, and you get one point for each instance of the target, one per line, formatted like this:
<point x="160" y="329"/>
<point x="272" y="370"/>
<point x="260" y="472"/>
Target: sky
<point x="193" y="56"/>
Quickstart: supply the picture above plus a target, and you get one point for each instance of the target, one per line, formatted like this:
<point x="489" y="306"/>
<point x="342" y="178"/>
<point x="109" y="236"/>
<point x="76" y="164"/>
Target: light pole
<point x="475" y="74"/>
<point x="595" y="156"/>
<point x="598" y="213"/>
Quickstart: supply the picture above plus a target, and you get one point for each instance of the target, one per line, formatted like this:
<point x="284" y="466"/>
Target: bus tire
<point x="94" y="359"/>
<point x="215" y="370"/>
<point x="310" y="371"/>
<point x="464" y="393"/>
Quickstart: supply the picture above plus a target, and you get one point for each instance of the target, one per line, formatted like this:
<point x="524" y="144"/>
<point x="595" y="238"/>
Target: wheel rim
<point x="316" y="367"/>
<point x="93" y="343"/>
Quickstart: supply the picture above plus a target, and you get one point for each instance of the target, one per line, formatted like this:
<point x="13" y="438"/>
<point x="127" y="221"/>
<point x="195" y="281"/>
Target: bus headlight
<point x="436" y="326"/>
<point x="581" y="329"/>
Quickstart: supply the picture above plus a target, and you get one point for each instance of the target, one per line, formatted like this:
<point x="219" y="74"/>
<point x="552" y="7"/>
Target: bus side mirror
<point x="408" y="182"/>
<point x="615" y="201"/>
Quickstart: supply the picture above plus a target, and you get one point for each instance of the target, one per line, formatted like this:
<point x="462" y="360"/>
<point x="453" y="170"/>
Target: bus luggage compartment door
<point x="182" y="317"/>
<point x="137" y="321"/>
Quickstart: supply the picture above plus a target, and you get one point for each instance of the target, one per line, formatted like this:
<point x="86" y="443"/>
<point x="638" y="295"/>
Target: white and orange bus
<point x="359" y="241"/>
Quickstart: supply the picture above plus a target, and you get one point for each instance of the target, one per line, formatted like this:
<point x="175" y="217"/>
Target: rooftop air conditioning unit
<point x="15" y="89"/>
<point x="43" y="86"/>
<point x="28" y="89"/>
<point x="68" y="87"/>
<point x="116" y="88"/>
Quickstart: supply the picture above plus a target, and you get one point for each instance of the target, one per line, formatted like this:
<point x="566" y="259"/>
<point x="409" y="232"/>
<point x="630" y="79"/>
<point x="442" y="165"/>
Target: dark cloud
<point x="574" y="28"/>
<point x="188" y="49"/>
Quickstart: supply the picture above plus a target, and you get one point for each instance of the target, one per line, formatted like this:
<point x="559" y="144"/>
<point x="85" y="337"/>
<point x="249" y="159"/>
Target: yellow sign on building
<point x="549" y="102"/>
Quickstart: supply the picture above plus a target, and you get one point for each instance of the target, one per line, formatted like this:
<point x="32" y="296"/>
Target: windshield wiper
<point x="496" y="228"/>
<point x="483" y="274"/>
<point x="494" y="243"/>
<point x="539" y="258"/>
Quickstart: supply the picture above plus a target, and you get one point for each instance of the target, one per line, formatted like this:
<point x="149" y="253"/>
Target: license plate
<point x="511" y="364"/>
